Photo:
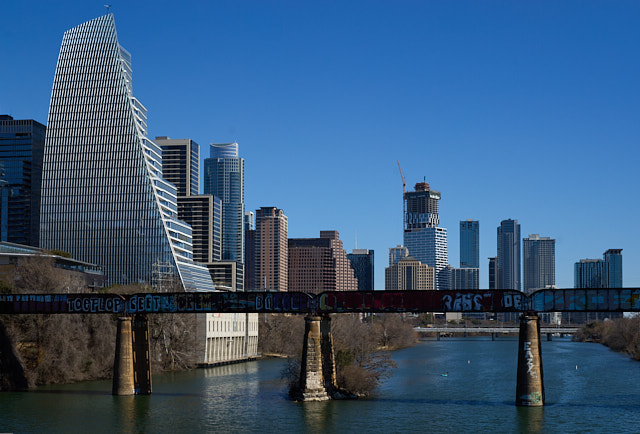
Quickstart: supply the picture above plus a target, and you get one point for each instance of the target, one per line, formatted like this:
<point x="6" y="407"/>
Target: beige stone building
<point x="408" y="274"/>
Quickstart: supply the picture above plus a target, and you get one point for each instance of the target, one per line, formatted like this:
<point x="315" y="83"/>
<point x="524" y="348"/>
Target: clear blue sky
<point x="512" y="109"/>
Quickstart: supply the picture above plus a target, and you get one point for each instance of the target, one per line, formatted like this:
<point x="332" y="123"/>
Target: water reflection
<point x="131" y="412"/>
<point x="317" y="415"/>
<point x="530" y="419"/>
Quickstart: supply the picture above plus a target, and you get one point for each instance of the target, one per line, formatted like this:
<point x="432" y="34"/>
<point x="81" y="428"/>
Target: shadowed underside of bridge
<point x="317" y="380"/>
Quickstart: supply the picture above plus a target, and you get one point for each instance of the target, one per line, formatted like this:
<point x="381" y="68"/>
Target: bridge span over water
<point x="132" y="374"/>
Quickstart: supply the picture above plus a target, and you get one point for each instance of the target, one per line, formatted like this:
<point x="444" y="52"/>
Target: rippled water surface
<point x="588" y="389"/>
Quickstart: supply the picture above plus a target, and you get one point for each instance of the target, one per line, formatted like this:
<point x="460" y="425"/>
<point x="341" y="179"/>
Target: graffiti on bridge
<point x="548" y="300"/>
<point x="183" y="302"/>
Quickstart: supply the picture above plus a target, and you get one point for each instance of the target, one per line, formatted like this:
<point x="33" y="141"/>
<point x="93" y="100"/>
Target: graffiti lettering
<point x="528" y="356"/>
<point x="463" y="302"/>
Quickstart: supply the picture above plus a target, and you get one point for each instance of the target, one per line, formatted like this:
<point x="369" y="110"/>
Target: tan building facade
<point x="320" y="264"/>
<point x="271" y="250"/>
<point x="408" y="274"/>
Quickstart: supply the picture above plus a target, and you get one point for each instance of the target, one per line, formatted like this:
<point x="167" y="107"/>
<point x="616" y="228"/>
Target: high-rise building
<point x="539" y="262"/>
<point x="224" y="178"/>
<point x="408" y="274"/>
<point x="597" y="273"/>
<point x="204" y="214"/>
<point x="463" y="278"/>
<point x="508" y="259"/>
<point x="492" y="273"/>
<point x="104" y="199"/>
<point x="469" y="244"/>
<point x="397" y="253"/>
<point x="249" y="251"/>
<point x="271" y="250"/>
<point x="425" y="240"/>
<point x="21" y="153"/>
<point x="181" y="164"/>
<point x="362" y="263"/>
<point x="589" y="273"/>
<point x="320" y="264"/>
<point x="613" y="259"/>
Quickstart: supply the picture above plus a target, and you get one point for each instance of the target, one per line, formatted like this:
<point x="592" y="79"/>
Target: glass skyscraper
<point x="508" y="258"/>
<point x="469" y="244"/>
<point x="21" y="152"/>
<point x="539" y="262"/>
<point x="425" y="240"/>
<point x="104" y="199"/>
<point x="224" y="178"/>
<point x="362" y="262"/>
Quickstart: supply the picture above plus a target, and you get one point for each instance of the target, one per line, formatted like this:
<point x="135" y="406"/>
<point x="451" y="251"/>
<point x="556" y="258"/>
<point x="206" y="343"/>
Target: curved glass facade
<point x="103" y="196"/>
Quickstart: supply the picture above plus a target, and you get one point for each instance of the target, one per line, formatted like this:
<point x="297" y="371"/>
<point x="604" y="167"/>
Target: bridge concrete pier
<point x="131" y="364"/>
<point x="530" y="386"/>
<point x="317" y="367"/>
<point x="123" y="382"/>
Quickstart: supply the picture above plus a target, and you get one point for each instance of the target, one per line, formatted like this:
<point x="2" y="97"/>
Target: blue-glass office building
<point x="469" y="244"/>
<point x="21" y="153"/>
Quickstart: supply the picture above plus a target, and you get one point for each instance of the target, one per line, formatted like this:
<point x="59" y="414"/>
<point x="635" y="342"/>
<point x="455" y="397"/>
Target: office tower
<point x="204" y="214"/>
<point x="224" y="178"/>
<point x="249" y="251"/>
<point x="425" y="240"/>
<point x="463" y="278"/>
<point x="539" y="262"/>
<point x="492" y="273"/>
<point x="272" y="250"/>
<point x="589" y="273"/>
<point x="613" y="259"/>
<point x="320" y="264"/>
<point x="21" y="153"/>
<point x="362" y="263"/>
<point x="104" y="199"/>
<point x="469" y="244"/>
<point x="397" y="253"/>
<point x="181" y="164"/>
<point x="508" y="259"/>
<point x="408" y="274"/>
<point x="597" y="273"/>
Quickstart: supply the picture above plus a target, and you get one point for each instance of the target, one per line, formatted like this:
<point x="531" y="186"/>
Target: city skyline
<point x="482" y="89"/>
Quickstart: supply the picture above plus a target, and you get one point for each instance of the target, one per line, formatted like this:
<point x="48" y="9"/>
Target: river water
<point x="588" y="389"/>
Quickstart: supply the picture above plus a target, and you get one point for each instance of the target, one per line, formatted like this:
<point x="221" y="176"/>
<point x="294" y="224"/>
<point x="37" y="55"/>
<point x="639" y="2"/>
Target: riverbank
<point x="621" y="335"/>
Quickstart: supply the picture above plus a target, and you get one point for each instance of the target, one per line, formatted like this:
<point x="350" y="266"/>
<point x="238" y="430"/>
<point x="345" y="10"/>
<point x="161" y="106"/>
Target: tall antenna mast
<point x="108" y="8"/>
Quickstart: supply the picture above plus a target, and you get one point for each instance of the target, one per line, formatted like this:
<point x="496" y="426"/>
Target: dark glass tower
<point x="362" y="263"/>
<point x="539" y="267"/>
<point x="21" y="152"/>
<point x="469" y="244"/>
<point x="508" y="259"/>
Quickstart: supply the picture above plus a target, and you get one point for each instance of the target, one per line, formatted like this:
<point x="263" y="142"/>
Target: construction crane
<point x="404" y="190"/>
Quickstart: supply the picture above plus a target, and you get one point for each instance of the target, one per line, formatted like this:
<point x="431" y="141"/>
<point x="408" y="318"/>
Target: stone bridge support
<point x="317" y="367"/>
<point x="131" y="364"/>
<point x="530" y="387"/>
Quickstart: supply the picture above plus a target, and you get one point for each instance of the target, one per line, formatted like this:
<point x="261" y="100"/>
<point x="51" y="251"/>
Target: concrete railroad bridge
<point x="132" y="374"/>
